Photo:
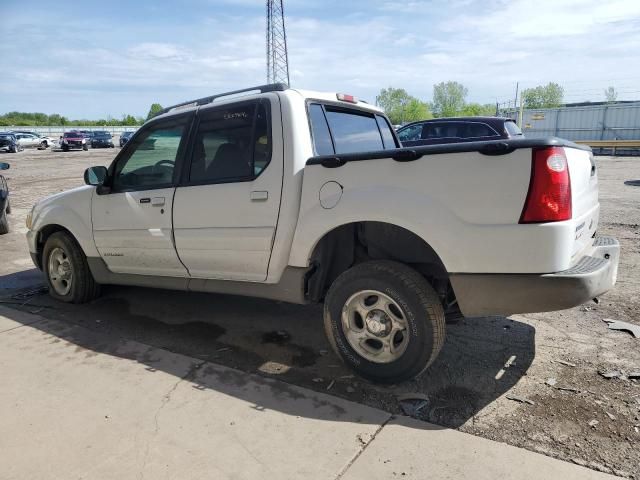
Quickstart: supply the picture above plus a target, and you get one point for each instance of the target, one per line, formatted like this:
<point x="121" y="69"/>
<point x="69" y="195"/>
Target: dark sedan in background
<point x="455" y="130"/>
<point x="124" y="138"/>
<point x="9" y="142"/>
<point x="5" y="206"/>
<point x="101" y="139"/>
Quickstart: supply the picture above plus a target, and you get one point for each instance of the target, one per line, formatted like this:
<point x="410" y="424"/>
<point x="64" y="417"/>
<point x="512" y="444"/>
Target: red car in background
<point x="74" y="140"/>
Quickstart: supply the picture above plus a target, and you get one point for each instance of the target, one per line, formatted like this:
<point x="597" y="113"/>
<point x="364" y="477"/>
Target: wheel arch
<point x="352" y="243"/>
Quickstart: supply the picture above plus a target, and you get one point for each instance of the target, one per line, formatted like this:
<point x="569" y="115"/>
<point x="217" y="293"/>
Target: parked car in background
<point x="43" y="141"/>
<point x="27" y="140"/>
<point x="124" y="138"/>
<point x="5" y="206"/>
<point x="101" y="139"/>
<point x="9" y="142"/>
<point x="74" y="140"/>
<point x="455" y="130"/>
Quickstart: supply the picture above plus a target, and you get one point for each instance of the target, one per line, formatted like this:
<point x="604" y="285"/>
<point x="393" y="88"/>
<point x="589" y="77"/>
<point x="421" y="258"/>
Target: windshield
<point x="101" y="134"/>
<point x="6" y="137"/>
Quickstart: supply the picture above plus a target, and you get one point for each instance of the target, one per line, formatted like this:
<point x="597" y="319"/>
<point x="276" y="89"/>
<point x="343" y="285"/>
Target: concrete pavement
<point x="76" y="403"/>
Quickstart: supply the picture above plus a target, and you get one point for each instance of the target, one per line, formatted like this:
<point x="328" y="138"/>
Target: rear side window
<point x="385" y="130"/>
<point x="320" y="131"/>
<point x="341" y="130"/>
<point x="442" y="130"/>
<point x="475" y="130"/>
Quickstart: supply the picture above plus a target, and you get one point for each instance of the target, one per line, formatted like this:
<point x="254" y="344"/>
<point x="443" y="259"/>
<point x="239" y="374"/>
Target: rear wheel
<point x="384" y="320"/>
<point x="66" y="270"/>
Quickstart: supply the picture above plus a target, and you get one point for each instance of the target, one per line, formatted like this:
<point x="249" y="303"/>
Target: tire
<point x="63" y="251"/>
<point x="8" y="210"/>
<point x="43" y="146"/>
<point x="405" y="299"/>
<point x="85" y="147"/>
<point x="15" y="149"/>
<point x="65" y="148"/>
<point x="4" y="224"/>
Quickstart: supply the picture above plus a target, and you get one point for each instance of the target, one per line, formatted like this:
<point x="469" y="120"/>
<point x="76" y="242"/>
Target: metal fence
<point x="597" y="122"/>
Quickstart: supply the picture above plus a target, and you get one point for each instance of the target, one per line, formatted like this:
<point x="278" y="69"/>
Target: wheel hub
<point x="378" y="323"/>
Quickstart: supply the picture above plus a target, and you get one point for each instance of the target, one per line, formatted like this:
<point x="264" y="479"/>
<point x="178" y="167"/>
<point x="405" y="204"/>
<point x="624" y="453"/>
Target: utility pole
<point x="277" y="55"/>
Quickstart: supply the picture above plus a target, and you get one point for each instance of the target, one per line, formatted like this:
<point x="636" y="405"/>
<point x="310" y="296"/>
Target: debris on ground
<point x="551" y="382"/>
<point x="634" y="374"/>
<point x="610" y="415"/>
<point x="568" y="389"/>
<point x="350" y="389"/>
<point x="507" y="364"/>
<point x="626" y="326"/>
<point x="564" y="362"/>
<point x="516" y="398"/>
<point x="593" y="423"/>
<point x="412" y="403"/>
<point x="323" y="352"/>
<point x="331" y="384"/>
<point x="611" y="374"/>
<point x="318" y="380"/>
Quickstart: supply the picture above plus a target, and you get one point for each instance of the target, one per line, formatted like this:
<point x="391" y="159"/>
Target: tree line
<point x="450" y="100"/>
<point x="25" y="119"/>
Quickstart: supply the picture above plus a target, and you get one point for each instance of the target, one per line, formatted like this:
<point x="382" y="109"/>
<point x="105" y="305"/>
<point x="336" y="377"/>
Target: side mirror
<point x="95" y="175"/>
<point x="4" y="166"/>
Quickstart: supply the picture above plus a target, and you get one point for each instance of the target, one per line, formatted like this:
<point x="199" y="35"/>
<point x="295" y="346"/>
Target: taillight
<point x="343" y="97"/>
<point x="549" y="196"/>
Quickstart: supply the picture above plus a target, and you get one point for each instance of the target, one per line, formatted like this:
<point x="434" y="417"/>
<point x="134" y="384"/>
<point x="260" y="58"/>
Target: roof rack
<point x="273" y="87"/>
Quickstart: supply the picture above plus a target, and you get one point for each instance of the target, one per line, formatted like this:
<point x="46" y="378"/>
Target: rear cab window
<point x="338" y="130"/>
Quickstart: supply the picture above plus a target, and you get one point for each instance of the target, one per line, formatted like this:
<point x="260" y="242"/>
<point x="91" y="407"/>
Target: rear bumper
<point x="506" y="294"/>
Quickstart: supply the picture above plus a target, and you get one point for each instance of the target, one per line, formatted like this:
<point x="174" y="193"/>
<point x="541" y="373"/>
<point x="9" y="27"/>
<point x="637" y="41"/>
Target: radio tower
<point x="277" y="56"/>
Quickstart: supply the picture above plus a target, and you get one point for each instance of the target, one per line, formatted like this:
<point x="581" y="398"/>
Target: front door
<point x="226" y="209"/>
<point x="132" y="225"/>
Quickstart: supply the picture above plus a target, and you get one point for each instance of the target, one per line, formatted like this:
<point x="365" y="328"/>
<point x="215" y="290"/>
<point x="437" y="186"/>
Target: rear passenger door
<point x="226" y="207"/>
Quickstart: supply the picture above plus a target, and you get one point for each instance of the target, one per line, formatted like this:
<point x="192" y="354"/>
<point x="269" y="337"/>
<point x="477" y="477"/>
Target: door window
<point x="232" y="144"/>
<point x="149" y="160"/>
<point x="410" y="133"/>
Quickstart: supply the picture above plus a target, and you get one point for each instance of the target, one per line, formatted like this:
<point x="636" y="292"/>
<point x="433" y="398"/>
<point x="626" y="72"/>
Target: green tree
<point x="478" y="110"/>
<point x="543" y="96"/>
<point x="610" y="94"/>
<point x="401" y="107"/>
<point x="153" y="111"/>
<point x="448" y="99"/>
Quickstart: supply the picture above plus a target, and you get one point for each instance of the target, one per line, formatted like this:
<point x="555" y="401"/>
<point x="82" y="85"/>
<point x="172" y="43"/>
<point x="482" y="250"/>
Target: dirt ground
<point x="550" y="360"/>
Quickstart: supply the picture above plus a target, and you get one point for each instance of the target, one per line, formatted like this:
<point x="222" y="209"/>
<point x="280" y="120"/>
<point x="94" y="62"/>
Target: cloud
<point x="356" y="47"/>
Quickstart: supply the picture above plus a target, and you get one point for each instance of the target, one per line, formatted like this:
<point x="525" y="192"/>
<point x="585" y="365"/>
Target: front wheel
<point x="85" y="147"/>
<point x="384" y="320"/>
<point x="66" y="270"/>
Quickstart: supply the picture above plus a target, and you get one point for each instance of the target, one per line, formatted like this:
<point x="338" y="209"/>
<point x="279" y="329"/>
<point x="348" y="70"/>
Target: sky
<point x="117" y="57"/>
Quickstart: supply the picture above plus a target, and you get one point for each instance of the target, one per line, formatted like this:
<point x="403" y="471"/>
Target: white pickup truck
<point x="306" y="197"/>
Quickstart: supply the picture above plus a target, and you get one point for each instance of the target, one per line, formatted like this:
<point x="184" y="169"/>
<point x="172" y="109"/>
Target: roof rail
<point x="273" y="87"/>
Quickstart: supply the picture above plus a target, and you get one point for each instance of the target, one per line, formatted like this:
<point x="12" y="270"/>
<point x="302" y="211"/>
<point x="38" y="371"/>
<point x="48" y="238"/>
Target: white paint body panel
<point x="465" y="205"/>
<point x="134" y="237"/>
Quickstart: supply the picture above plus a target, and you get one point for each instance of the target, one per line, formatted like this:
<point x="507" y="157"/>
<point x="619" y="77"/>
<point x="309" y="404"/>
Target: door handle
<point x="157" y="201"/>
<point x="259" y="196"/>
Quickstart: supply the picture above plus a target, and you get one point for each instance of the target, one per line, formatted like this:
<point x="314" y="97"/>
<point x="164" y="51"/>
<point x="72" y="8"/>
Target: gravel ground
<point x="582" y="417"/>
